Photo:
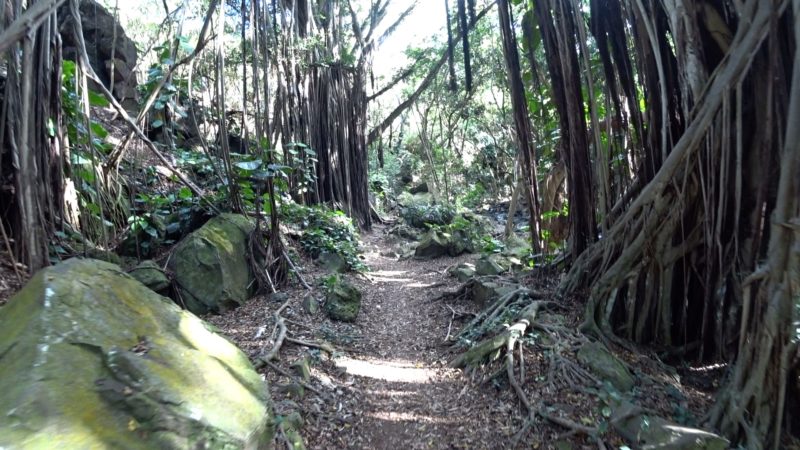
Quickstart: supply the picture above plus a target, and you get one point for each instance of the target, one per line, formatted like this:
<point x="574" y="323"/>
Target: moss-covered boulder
<point x="150" y="274"/>
<point x="343" y="301"/>
<point x="211" y="267"/>
<point x="602" y="363"/>
<point x="91" y="358"/>
<point x="487" y="289"/>
<point x="433" y="245"/>
<point x="517" y="247"/>
<point x="489" y="266"/>
<point x="333" y="262"/>
<point x="437" y="243"/>
<point x="645" y="431"/>
<point x="463" y="272"/>
<point x="405" y="231"/>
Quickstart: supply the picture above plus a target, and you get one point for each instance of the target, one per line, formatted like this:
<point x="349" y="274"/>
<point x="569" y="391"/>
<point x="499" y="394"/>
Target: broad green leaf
<point x="98" y="130"/>
<point x="249" y="165"/>
<point x="185" y="193"/>
<point x="51" y="127"/>
<point x="96" y="99"/>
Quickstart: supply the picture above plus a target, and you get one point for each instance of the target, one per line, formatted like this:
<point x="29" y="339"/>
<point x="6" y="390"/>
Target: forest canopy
<point x="647" y="150"/>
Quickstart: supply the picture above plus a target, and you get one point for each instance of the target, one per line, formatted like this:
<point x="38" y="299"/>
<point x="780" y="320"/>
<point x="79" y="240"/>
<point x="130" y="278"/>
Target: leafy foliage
<point x="420" y="212"/>
<point x="325" y="230"/>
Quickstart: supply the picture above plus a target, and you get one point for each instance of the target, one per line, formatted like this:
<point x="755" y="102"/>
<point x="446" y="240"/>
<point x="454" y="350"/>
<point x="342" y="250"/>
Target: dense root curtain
<point x="32" y="159"/>
<point x="698" y="240"/>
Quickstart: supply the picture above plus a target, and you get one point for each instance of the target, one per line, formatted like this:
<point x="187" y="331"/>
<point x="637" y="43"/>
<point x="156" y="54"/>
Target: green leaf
<point x="151" y="231"/>
<point x="157" y="123"/>
<point x="185" y="193"/>
<point x="51" y="127"/>
<point x="185" y="45"/>
<point x="93" y="208"/>
<point x="68" y="68"/>
<point x="249" y="165"/>
<point x="98" y="130"/>
<point x="96" y="99"/>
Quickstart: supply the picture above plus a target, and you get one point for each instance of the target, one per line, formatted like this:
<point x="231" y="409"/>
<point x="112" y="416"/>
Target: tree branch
<point x="426" y="82"/>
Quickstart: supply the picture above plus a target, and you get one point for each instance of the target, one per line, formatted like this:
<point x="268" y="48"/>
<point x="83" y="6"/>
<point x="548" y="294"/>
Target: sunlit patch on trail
<point x="388" y="273"/>
<point x="391" y="393"/>
<point x="422" y="285"/>
<point x="393" y="371"/>
<point x="392" y="416"/>
<point x="389" y="276"/>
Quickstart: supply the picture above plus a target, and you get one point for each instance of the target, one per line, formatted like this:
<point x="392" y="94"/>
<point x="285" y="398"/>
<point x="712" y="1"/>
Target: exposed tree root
<point x="478" y="353"/>
<point x="297" y="380"/>
<point x="322" y="346"/>
<point x="280" y="328"/>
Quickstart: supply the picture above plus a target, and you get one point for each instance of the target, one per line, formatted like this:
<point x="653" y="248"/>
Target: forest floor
<point x="388" y="384"/>
<point x="11" y="278"/>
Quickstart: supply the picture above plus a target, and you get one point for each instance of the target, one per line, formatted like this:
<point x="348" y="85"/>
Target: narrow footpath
<point x="389" y="381"/>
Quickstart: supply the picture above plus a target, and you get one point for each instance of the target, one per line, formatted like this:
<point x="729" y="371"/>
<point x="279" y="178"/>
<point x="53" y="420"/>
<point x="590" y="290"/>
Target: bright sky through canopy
<point x="426" y="20"/>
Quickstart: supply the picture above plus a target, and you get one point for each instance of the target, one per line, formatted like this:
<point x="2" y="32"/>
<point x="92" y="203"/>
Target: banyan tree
<point x="319" y="54"/>
<point x="695" y="174"/>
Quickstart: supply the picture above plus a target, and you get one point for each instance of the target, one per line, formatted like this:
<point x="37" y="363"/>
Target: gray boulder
<point x="651" y="433"/>
<point x="488" y="266"/>
<point x="150" y="274"/>
<point x="488" y="289"/>
<point x="463" y="272"/>
<point x="333" y="262"/>
<point x="310" y="304"/>
<point x="211" y="267"/>
<point x="602" y="363"/>
<point x="435" y="244"/>
<point x="517" y="247"/>
<point x="91" y="358"/>
<point x="107" y="46"/>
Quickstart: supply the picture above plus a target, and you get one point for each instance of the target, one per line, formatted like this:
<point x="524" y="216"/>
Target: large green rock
<point x="333" y="262"/>
<point x="211" y="267"/>
<point x="91" y="358"/>
<point x="517" y="247"/>
<point x="463" y="272"/>
<point x="343" y="301"/>
<point x="599" y="360"/>
<point x="433" y="245"/>
<point x="648" y="432"/>
<point x="488" y="266"/>
<point x="150" y="274"/>
<point x="437" y="243"/>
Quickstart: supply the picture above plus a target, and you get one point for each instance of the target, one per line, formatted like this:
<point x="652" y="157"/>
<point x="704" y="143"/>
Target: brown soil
<point x="391" y="387"/>
<point x="11" y="279"/>
<point x="388" y="385"/>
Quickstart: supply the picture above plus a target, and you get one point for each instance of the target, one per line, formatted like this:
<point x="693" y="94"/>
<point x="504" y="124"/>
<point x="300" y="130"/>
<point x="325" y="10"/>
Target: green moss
<point x="211" y="267"/>
<point x="93" y="359"/>
<point x="343" y="301"/>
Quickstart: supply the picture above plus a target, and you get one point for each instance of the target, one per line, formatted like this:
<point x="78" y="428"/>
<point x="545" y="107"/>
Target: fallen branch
<point x="478" y="353"/>
<point x="294" y="270"/>
<point x="263" y="358"/>
<point x="322" y="346"/>
<point x="297" y="380"/>
<point x="566" y="423"/>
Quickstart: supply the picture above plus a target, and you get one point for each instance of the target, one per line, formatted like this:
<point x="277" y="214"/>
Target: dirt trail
<point x="408" y="397"/>
<point x="389" y="379"/>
